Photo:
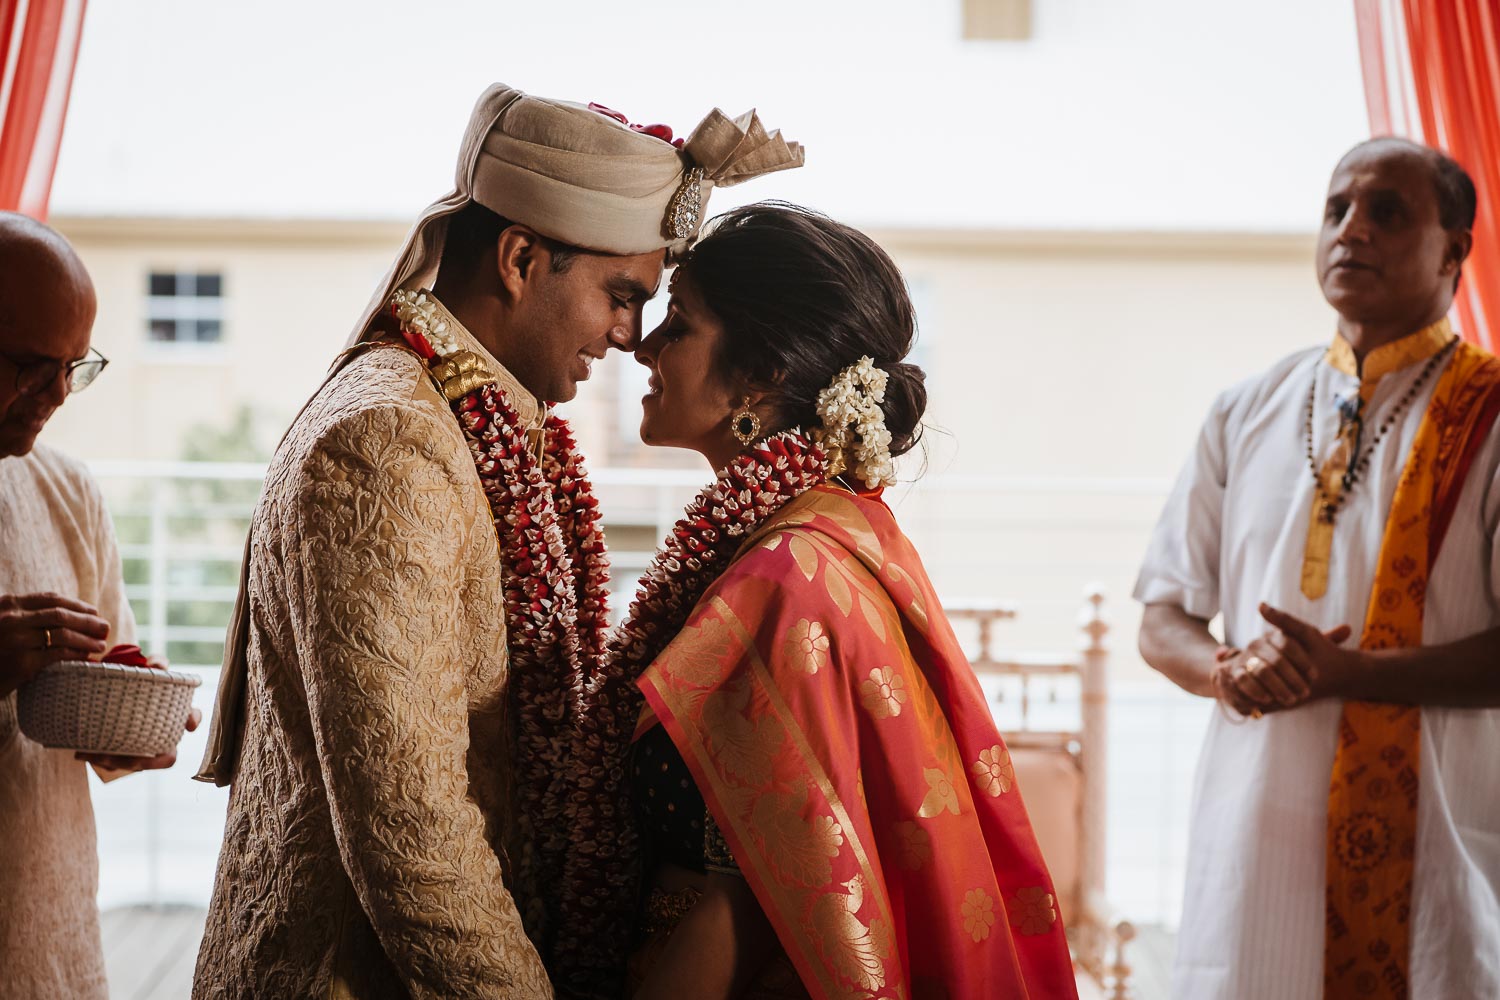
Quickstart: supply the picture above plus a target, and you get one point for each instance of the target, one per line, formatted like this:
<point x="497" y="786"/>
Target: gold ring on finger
<point x="47" y="638"/>
<point x="1256" y="713"/>
<point x="1254" y="665"/>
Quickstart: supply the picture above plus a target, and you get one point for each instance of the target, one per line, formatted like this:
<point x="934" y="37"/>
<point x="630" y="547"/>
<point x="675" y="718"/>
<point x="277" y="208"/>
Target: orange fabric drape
<point x="843" y="745"/>
<point x="38" y="52"/>
<point x="1432" y="73"/>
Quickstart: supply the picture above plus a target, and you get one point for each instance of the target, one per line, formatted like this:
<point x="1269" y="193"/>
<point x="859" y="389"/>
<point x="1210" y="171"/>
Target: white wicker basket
<point x="106" y="708"/>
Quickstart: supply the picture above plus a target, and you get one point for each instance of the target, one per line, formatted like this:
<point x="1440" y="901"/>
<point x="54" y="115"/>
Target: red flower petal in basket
<point x="130" y="656"/>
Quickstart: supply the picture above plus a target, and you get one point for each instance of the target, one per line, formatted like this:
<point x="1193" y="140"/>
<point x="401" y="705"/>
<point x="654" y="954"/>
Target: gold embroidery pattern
<point x="882" y="693"/>
<point x="1032" y="911"/>
<point x="838" y="589"/>
<point x="996" y="773"/>
<point x="914" y="845"/>
<point x="715" y="651"/>
<point x="853" y="949"/>
<point x="805" y="555"/>
<point x="978" y="911"/>
<point x="744" y="747"/>
<point x="756" y="756"/>
<point x="873" y="617"/>
<point x="807" y="645"/>
<point x="941" y="795"/>
<point x="918" y="607"/>
<point x="717" y="854"/>
<point x="384" y="511"/>
<point x="803" y="852"/>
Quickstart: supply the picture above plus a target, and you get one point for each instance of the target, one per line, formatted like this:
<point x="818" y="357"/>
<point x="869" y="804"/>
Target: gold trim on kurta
<point x="1382" y="361"/>
<point x="1390" y="357"/>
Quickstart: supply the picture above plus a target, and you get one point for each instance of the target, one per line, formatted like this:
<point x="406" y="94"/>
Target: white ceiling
<point x="1117" y="114"/>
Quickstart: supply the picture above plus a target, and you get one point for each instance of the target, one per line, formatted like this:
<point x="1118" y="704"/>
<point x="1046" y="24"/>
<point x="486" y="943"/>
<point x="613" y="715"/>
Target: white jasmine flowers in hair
<point x="854" y="434"/>
<point x="420" y="313"/>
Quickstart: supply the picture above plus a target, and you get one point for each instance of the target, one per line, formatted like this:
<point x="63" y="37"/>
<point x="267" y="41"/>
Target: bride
<point x="823" y="805"/>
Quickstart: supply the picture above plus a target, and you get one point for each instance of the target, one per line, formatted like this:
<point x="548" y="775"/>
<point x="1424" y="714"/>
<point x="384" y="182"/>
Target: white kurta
<point x="55" y="535"/>
<point x="1232" y="535"/>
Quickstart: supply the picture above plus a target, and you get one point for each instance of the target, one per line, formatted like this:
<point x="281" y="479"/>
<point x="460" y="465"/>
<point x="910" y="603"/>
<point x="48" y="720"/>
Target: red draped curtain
<point x="1432" y="73"/>
<point x="38" y="50"/>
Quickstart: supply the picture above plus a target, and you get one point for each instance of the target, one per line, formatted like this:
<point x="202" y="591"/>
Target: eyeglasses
<point x="34" y="376"/>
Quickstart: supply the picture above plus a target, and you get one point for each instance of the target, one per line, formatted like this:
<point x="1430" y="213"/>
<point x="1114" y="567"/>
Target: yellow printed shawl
<point x="1372" y="803"/>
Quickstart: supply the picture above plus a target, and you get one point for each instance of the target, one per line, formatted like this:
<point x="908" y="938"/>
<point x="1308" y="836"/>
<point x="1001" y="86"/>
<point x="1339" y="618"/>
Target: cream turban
<point x="585" y="179"/>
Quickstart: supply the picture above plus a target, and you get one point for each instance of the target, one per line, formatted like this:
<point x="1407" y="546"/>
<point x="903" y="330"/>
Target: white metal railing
<point x="1030" y="542"/>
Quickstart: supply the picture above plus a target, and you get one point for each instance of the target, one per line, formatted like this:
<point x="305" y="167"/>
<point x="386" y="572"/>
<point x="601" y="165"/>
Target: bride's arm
<point x="717" y="949"/>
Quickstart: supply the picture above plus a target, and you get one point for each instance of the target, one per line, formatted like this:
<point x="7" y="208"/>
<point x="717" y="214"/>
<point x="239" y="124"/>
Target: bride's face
<point x="689" y="402"/>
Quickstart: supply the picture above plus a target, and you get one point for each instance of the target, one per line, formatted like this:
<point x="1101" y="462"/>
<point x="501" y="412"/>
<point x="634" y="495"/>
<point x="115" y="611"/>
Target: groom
<point x="407" y="675"/>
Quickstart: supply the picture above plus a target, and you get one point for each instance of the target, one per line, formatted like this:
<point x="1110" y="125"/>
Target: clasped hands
<point x="1293" y="663"/>
<point x="40" y="629"/>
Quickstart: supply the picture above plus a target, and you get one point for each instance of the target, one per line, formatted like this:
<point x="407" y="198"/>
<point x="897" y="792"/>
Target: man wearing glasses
<point x="61" y="598"/>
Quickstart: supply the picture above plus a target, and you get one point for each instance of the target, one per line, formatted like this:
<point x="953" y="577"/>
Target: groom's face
<point x="568" y="317"/>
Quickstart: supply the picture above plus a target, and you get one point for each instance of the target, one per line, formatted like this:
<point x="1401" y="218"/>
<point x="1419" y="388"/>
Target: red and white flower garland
<point x="555" y="572"/>
<point x="762" y="480"/>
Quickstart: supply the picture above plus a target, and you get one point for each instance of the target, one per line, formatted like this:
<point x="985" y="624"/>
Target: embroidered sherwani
<point x="1235" y="532"/>
<point x="369" y="833"/>
<point x="55" y="535"/>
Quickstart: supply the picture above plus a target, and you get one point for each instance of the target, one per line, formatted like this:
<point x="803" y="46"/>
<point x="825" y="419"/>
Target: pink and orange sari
<point x="843" y="745"/>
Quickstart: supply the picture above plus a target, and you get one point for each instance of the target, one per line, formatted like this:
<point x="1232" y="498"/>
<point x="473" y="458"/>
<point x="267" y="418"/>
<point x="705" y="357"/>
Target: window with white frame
<point x="185" y="307"/>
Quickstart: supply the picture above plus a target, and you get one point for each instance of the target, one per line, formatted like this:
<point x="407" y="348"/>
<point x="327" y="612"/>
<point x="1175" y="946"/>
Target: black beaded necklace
<point x="1328" y="507"/>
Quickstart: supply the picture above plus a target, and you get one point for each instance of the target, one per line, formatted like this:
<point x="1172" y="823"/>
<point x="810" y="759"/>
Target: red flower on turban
<point x="662" y="132"/>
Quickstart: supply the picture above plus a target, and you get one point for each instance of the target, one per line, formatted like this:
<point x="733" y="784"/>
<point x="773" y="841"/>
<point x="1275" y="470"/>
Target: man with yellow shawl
<point x="403" y="710"/>
<point x="1342" y="512"/>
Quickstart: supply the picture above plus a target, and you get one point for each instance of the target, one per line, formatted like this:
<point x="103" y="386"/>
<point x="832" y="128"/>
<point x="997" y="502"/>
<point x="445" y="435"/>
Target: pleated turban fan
<point x="584" y="176"/>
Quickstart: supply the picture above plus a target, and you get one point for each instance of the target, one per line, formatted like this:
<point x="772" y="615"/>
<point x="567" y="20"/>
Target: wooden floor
<point x="149" y="954"/>
<point x="149" y="951"/>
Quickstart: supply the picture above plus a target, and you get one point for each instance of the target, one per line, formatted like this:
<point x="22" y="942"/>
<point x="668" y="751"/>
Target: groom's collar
<point x="528" y="408"/>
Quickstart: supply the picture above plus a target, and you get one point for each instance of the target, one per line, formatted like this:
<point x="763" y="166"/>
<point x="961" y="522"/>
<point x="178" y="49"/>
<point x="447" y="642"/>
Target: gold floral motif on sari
<point x="807" y="645"/>
<point x="1033" y="910"/>
<point x="882" y="693"/>
<point x="801" y="851"/>
<point x="996" y="774"/>
<point x="941" y="795"/>
<point x="914" y="845"/>
<point x="978" y="911"/>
